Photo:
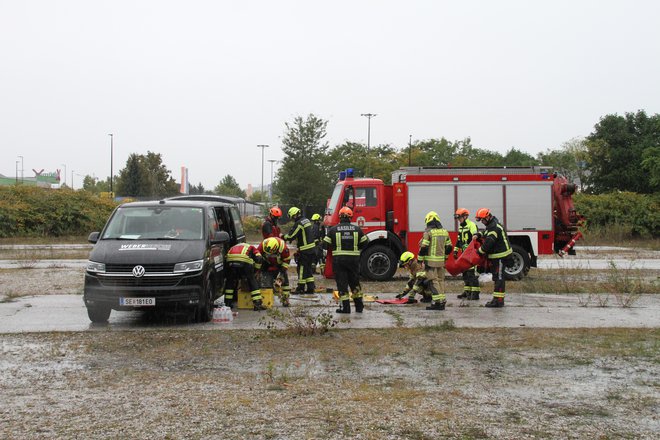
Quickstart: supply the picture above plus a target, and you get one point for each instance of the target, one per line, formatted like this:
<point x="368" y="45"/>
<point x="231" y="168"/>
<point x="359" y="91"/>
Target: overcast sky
<point x="205" y="82"/>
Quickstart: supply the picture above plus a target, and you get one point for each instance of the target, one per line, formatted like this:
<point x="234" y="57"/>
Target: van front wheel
<point x="98" y="314"/>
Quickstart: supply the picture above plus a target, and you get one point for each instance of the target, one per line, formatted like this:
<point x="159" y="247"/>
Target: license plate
<point x="137" y="302"/>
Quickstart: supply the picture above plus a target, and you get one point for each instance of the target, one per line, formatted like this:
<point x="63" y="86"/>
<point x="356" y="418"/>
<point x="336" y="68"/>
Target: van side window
<point x="223" y="221"/>
<point x="212" y="222"/>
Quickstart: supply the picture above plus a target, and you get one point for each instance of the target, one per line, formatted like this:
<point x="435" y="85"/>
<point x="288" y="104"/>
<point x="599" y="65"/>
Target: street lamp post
<point x="270" y="193"/>
<point x="368" y="116"/>
<point x="22" y="169"/>
<point x="16" y="172"/>
<point x="410" y="150"/>
<point x="111" y="148"/>
<point x="71" y="179"/>
<point x="64" y="165"/>
<point x="263" y="147"/>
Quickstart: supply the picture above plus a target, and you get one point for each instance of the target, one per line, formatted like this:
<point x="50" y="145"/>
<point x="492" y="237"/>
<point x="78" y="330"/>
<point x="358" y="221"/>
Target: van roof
<point x="175" y="202"/>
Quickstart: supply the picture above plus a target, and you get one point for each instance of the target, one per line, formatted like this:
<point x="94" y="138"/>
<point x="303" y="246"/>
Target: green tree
<point x="94" y="185"/>
<point x="570" y="160"/>
<point x="305" y="179"/>
<point x="617" y="149"/>
<point x="383" y="159"/>
<point x="228" y="186"/>
<point x="517" y="158"/>
<point x="199" y="189"/>
<point x="146" y="176"/>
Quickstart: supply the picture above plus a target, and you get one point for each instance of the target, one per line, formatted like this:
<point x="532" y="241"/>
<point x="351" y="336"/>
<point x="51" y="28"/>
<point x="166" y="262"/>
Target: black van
<point x="161" y="254"/>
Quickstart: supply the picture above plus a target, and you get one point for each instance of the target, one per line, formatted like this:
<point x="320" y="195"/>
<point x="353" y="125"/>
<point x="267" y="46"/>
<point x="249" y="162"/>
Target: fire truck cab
<point x="532" y="203"/>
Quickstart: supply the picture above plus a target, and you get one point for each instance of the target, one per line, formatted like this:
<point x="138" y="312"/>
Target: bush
<point x="630" y="214"/>
<point x="28" y="211"/>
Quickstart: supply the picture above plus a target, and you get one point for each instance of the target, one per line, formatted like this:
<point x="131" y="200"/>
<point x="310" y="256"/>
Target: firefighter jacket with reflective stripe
<point x="275" y="262"/>
<point x="345" y="239"/>
<point x="496" y="243"/>
<point x="435" y="245"/>
<point x="465" y="232"/>
<point x="244" y="253"/>
<point x="302" y="233"/>
<point x="317" y="231"/>
<point x="269" y="228"/>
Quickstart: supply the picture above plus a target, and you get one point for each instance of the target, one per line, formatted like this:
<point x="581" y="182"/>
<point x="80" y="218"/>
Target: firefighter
<point x="242" y="260"/>
<point x="276" y="258"/>
<point x="301" y="231"/>
<point x="346" y="241"/>
<point x="434" y="247"/>
<point x="466" y="229"/>
<point x="416" y="281"/>
<point x="318" y="234"/>
<point x="269" y="227"/>
<point x="497" y="249"/>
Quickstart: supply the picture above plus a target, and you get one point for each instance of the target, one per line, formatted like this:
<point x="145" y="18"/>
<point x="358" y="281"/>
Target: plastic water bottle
<point x="217" y="315"/>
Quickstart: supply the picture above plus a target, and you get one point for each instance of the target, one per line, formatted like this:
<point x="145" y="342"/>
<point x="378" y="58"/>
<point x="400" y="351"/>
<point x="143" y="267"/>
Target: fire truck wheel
<point x="519" y="265"/>
<point x="378" y="263"/>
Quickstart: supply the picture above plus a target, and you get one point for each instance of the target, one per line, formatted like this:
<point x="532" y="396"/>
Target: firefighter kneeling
<point x="242" y="260"/>
<point x="346" y="241"/>
<point x="276" y="259"/>
<point x="417" y="281"/>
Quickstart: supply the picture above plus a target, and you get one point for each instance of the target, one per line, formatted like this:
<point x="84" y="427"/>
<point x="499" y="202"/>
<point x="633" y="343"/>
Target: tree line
<point x="622" y="153"/>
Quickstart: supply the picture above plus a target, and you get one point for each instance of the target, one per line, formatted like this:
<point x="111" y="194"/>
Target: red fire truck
<point x="533" y="204"/>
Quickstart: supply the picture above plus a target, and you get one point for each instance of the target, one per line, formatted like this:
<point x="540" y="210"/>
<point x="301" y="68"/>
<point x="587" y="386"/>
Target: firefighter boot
<point x="426" y="298"/>
<point x="300" y="289"/>
<point x="258" y="305"/>
<point x="345" y="306"/>
<point x="464" y="295"/>
<point x="311" y="287"/>
<point x="495" y="302"/>
<point x="474" y="296"/>
<point x="438" y="305"/>
<point x="359" y="305"/>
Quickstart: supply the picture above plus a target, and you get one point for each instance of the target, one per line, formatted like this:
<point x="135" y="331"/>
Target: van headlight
<point x="190" y="266"/>
<point x="94" y="267"/>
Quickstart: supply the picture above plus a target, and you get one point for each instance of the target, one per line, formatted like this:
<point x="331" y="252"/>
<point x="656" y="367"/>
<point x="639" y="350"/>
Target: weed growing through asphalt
<point x="397" y="317"/>
<point x="300" y="321"/>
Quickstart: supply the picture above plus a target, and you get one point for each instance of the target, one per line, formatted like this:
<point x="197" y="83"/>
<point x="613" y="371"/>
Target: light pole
<point x="22" y="169"/>
<point x="64" y="165"/>
<point x="368" y="116"/>
<point x="270" y="193"/>
<point x="71" y="179"/>
<point x="111" y="148"/>
<point x="16" y="172"/>
<point x="409" y="149"/>
<point x="263" y="147"/>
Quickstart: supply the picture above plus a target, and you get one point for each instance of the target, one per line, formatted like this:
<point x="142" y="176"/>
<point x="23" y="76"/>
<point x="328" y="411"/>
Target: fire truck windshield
<point x="334" y="200"/>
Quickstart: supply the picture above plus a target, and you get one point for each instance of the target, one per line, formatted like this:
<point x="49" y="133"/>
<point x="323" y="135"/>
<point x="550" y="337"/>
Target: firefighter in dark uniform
<point x="318" y="233"/>
<point x="466" y="229"/>
<point x="242" y="260"/>
<point x="301" y="231"/>
<point x="269" y="227"/>
<point x="346" y="241"/>
<point x="497" y="249"/>
<point x="276" y="258"/>
<point x="434" y="247"/>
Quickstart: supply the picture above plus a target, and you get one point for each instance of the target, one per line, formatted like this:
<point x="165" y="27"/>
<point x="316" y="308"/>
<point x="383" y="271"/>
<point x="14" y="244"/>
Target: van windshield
<point x="156" y="223"/>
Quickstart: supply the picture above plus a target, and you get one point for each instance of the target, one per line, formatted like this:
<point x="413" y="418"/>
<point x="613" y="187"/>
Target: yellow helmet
<point x="271" y="245"/>
<point x="316" y="217"/>
<point x="432" y="215"/>
<point x="406" y="257"/>
<point x="293" y="211"/>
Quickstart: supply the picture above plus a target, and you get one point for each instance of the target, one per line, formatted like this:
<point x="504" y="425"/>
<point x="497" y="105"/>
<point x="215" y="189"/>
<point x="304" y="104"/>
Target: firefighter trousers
<point x="347" y="275"/>
<point x="305" y="275"/>
<point x="237" y="271"/>
<point x="436" y="281"/>
<point x="497" y="270"/>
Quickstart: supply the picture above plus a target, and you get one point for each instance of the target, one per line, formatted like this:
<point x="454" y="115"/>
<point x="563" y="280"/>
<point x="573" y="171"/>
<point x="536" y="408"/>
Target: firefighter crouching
<point x="269" y="227"/>
<point x="242" y="260"/>
<point x="497" y="249"/>
<point x="416" y="281"/>
<point x="434" y="247"/>
<point x="346" y="241"/>
<point x="301" y="231"/>
<point x="466" y="229"/>
<point x="276" y="258"/>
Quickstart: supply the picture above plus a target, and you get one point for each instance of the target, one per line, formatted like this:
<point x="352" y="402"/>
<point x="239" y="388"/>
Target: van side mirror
<point x="93" y="237"/>
<point x="220" y="237"/>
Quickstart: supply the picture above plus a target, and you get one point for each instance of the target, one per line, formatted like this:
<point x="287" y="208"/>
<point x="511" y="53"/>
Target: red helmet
<point x="275" y="211"/>
<point x="461" y="211"/>
<point x="346" y="212"/>
<point x="482" y="213"/>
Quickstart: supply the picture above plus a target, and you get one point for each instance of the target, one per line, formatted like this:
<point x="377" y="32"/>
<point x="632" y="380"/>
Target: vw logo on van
<point x="138" y="271"/>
